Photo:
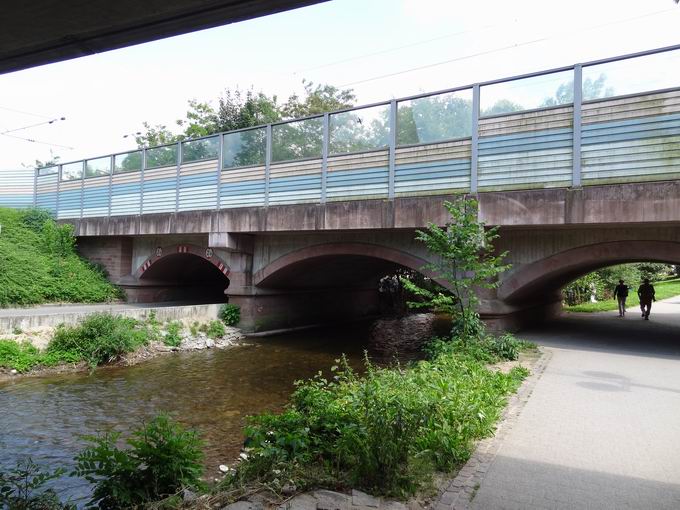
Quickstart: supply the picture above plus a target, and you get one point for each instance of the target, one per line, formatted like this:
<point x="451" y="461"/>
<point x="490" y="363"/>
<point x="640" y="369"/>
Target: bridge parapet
<point x="609" y="121"/>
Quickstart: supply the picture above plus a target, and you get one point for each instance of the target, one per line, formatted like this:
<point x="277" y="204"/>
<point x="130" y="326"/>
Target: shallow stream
<point x="212" y="391"/>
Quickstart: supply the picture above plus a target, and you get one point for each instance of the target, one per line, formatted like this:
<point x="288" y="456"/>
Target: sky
<point x="382" y="49"/>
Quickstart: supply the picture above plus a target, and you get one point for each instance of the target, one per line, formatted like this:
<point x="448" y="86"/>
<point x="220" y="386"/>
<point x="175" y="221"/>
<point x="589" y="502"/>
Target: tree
<point x="502" y="106"/>
<point x="465" y="259"/>
<point x="435" y="118"/>
<point x="592" y="89"/>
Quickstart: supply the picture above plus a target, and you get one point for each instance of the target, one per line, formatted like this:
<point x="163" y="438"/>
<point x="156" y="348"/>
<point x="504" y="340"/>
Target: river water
<point x="211" y="391"/>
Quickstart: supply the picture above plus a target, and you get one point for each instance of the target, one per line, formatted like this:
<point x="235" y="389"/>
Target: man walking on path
<point x="621" y="293"/>
<point x="646" y="294"/>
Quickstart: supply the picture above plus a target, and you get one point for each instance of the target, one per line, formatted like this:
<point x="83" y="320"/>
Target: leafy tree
<point x="592" y="89"/>
<point x="465" y="259"/>
<point x="502" y="106"/>
<point x="434" y="118"/>
<point x="317" y="99"/>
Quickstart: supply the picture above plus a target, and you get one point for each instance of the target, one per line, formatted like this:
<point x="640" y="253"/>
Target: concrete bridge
<point x="300" y="219"/>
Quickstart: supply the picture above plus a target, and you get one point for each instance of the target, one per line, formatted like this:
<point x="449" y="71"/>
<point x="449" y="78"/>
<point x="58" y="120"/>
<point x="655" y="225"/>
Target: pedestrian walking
<point x="621" y="293"/>
<point x="646" y="293"/>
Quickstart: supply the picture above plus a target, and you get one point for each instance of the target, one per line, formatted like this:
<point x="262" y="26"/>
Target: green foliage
<point x="486" y="348"/>
<point x="161" y="459"/>
<point x="173" y="332"/>
<point x="23" y="357"/>
<point x="664" y="290"/>
<point x="386" y="431"/>
<point x="230" y="314"/>
<point x="100" y="338"/>
<point x="23" y="488"/>
<point x="216" y="329"/>
<point x="465" y="259"/>
<point x="604" y="280"/>
<point x="39" y="264"/>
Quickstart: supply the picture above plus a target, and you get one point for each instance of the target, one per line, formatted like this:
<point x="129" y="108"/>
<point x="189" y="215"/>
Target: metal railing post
<point x="576" y="148"/>
<point x="220" y="156"/>
<point x="141" y="181"/>
<point x="267" y="163"/>
<point x="324" y="156"/>
<point x="112" y="167"/>
<point x="392" y="150"/>
<point x="56" y="204"/>
<point x="35" y="187"/>
<point x="82" y="188"/>
<point x="179" y="164"/>
<point x="474" y="143"/>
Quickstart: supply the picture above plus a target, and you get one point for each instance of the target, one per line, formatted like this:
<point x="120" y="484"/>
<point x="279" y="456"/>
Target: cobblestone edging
<point x="462" y="489"/>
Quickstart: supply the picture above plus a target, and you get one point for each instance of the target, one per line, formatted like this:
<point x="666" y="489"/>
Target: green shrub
<point x="161" y="459"/>
<point x="23" y="488"/>
<point x="230" y="314"/>
<point x="23" y="357"/>
<point x="38" y="263"/>
<point x="173" y="332"/>
<point x="386" y="431"/>
<point x="100" y="338"/>
<point x="194" y="328"/>
<point x="216" y="329"/>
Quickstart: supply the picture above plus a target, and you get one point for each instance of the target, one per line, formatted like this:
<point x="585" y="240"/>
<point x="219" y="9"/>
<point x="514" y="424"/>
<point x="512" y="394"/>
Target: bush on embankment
<point x="386" y="431"/>
<point x="99" y="339"/>
<point x="39" y="263"/>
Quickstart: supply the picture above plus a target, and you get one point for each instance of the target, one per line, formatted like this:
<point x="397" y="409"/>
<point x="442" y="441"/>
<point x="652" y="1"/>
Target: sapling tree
<point x="464" y="258"/>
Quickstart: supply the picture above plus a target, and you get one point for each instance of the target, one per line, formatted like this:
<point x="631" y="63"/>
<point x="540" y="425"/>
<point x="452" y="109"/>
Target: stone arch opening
<point x="542" y="281"/>
<point x="184" y="273"/>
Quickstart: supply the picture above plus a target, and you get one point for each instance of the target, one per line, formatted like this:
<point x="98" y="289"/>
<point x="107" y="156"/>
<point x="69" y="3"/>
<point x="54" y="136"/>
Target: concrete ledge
<point x="52" y="316"/>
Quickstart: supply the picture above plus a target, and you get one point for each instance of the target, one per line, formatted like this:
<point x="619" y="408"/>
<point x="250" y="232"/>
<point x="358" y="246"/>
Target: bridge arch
<point x="547" y="276"/>
<point x="331" y="259"/>
<point x="162" y="253"/>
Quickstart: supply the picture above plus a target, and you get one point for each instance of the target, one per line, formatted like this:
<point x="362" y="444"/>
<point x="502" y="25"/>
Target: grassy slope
<point x="32" y="272"/>
<point x="664" y="290"/>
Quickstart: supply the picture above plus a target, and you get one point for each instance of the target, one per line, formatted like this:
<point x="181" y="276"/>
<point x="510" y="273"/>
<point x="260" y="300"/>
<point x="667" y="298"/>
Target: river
<point x="211" y="391"/>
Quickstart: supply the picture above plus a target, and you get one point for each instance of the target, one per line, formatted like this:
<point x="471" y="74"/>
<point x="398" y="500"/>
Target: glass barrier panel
<point x="435" y="118"/>
<point x="128" y="162"/>
<point x="297" y="140"/>
<point x="161" y="156"/>
<point x="72" y="171"/>
<point x="244" y="148"/>
<point x="527" y="93"/>
<point x="632" y="76"/>
<point x="197" y="150"/>
<point x="97" y="167"/>
<point x="49" y="170"/>
<point x="359" y="130"/>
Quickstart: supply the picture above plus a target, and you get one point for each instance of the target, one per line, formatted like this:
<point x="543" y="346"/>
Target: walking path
<point x="601" y="429"/>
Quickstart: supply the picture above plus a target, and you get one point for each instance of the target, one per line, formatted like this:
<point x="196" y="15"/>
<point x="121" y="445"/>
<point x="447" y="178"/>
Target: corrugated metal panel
<point x="295" y="183"/>
<point x="125" y="194"/>
<point x="541" y="120"/>
<point x="198" y="186"/>
<point x="435" y="168"/>
<point x="242" y="187"/>
<point x="16" y="188"/>
<point x="359" y="176"/>
<point x="633" y="149"/>
<point x="96" y="196"/>
<point x="646" y="105"/>
<point x="70" y="197"/>
<point x="46" y="196"/>
<point x="527" y="150"/>
<point x="160" y="190"/>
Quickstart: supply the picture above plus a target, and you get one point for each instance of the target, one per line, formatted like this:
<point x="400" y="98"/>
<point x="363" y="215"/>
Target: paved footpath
<point x="601" y="429"/>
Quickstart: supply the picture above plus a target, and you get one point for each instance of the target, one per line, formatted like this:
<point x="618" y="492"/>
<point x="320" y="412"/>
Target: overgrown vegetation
<point x="160" y="460"/>
<point x="173" y="332"/>
<point x="230" y="314"/>
<point x="39" y="264"/>
<point x="23" y="488"/>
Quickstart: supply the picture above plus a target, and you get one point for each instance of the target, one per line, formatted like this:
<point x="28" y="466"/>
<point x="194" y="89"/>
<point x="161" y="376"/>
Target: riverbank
<point x="106" y="340"/>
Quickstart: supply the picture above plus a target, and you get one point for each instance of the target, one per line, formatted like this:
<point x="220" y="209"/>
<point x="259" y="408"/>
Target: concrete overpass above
<point x="38" y="32"/>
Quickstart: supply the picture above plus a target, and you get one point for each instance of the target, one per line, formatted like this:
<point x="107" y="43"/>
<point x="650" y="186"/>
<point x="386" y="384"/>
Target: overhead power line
<point x="24" y="113"/>
<point x="33" y="140"/>
<point x="503" y="48"/>
<point x="32" y="125"/>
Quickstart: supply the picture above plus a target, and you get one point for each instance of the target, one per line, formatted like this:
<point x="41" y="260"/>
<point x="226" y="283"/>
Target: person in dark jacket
<point x="621" y="293"/>
<point x="646" y="294"/>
